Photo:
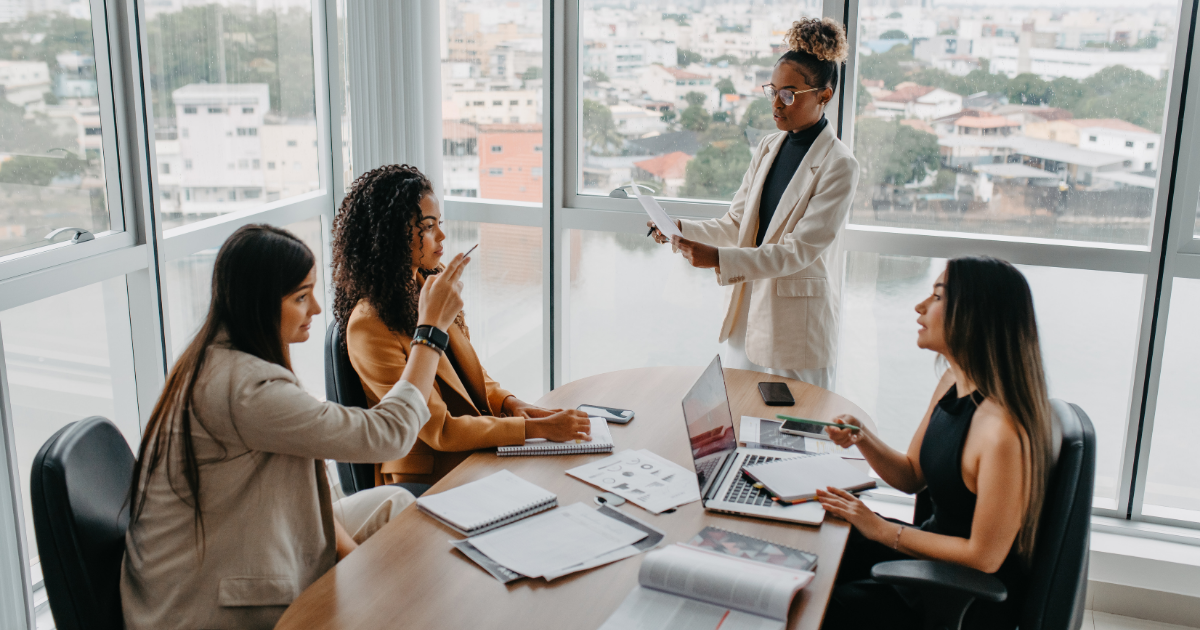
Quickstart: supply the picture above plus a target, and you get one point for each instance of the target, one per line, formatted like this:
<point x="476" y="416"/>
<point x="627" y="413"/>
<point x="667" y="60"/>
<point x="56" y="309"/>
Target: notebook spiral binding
<point x="514" y="515"/>
<point x="553" y="448"/>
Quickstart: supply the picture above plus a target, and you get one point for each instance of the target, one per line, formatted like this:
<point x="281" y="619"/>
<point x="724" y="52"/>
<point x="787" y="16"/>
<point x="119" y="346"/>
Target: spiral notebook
<point x="488" y="503"/>
<point x="601" y="442"/>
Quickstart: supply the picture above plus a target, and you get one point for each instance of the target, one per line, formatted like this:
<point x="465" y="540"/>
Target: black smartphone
<point x="610" y="414"/>
<point x="776" y="394"/>
<point x="806" y="429"/>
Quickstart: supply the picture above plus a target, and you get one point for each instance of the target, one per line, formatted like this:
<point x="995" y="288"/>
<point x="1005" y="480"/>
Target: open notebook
<point x="601" y="442"/>
<point x="488" y="503"/>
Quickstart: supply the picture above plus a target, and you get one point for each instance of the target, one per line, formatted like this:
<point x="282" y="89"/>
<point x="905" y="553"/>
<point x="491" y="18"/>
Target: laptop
<point x="719" y="460"/>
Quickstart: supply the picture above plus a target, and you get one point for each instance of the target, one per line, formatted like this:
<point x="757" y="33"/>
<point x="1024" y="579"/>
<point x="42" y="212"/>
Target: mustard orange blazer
<point x="464" y="407"/>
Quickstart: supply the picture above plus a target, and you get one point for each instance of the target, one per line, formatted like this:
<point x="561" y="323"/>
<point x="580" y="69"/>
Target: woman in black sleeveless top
<point x="981" y="451"/>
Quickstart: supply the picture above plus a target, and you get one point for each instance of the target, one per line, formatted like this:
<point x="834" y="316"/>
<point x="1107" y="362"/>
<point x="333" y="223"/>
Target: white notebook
<point x="488" y="503"/>
<point x="601" y="442"/>
<point x="798" y="479"/>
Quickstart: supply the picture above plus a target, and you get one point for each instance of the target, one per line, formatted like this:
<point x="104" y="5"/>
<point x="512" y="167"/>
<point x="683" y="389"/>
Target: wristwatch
<point x="433" y="337"/>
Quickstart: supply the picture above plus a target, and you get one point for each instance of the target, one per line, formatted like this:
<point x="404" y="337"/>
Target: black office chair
<point x="343" y="387"/>
<point x="1057" y="585"/>
<point x="78" y="489"/>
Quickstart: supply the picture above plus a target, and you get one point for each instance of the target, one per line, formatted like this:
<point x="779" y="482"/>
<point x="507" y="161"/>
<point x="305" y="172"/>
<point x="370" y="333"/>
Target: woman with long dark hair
<point x="231" y="515"/>
<point x="982" y="452"/>
<point x="387" y="241"/>
<point x="778" y="248"/>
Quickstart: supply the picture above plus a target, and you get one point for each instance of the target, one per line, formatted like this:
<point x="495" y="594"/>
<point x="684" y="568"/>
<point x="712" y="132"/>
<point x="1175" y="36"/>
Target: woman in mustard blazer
<point x="779" y="245"/>
<point x="387" y="239"/>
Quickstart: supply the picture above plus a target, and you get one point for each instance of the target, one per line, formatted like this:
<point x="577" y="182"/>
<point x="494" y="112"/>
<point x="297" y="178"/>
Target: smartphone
<point x="776" y="394"/>
<point x="806" y="429"/>
<point x="610" y="414"/>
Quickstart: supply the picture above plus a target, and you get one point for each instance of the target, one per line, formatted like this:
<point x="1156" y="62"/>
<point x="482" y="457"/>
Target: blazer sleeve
<point x="809" y="239"/>
<point x="724" y="232"/>
<point x="496" y="395"/>
<point x="379" y="358"/>
<point x="271" y="412"/>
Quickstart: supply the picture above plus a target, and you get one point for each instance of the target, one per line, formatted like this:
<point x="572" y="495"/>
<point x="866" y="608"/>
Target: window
<point x="273" y="80"/>
<point x="1091" y="138"/>
<point x="535" y="171"/>
<point x="243" y="164"/>
<point x="537" y="148"/>
<point x="232" y="194"/>
<point x="496" y="148"/>
<point x="1129" y="144"/>
<point x="495" y="172"/>
<point x="256" y="165"/>
<point x="187" y="165"/>
<point x="291" y="143"/>
<point x="514" y="119"/>
<point x="184" y="132"/>
<point x="165" y="168"/>
<point x="189" y="110"/>
<point x="497" y="103"/>
<point x="270" y="166"/>
<point x="514" y="102"/>
<point x="1149" y="145"/>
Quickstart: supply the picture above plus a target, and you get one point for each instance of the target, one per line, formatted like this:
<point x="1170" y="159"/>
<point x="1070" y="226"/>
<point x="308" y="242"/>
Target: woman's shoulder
<point x="995" y="425"/>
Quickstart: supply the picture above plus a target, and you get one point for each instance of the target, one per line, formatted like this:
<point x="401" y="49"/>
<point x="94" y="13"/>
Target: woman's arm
<point x="724" y="231"/>
<point x="440" y="302"/>
<point x="999" y="509"/>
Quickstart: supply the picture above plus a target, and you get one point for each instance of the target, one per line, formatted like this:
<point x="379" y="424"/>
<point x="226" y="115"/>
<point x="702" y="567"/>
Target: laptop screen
<point x="709" y="423"/>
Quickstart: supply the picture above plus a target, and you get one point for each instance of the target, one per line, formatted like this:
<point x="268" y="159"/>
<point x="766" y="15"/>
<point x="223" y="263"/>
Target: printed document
<point x="665" y="223"/>
<point x="645" y="479"/>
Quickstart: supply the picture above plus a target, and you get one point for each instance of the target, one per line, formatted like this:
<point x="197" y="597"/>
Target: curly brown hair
<point x="819" y="47"/>
<point x="372" y="245"/>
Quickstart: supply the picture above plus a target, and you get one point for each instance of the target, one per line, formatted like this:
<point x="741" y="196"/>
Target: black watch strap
<point x="435" y="337"/>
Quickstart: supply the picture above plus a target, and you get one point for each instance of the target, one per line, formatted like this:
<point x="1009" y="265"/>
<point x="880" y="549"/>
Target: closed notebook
<point x="794" y="480"/>
<point x="488" y="503"/>
<point x="601" y="442"/>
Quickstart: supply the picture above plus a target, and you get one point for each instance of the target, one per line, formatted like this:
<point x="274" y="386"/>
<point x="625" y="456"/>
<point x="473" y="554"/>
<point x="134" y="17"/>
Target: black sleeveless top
<point x="954" y="504"/>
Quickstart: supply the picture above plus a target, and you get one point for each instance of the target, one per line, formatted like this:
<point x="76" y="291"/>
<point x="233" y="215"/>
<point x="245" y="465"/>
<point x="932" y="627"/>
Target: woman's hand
<point x="846" y="506"/>
<point x="846" y="438"/>
<point x="659" y="237"/>
<point x="700" y="255"/>
<point x="560" y="426"/>
<point x="514" y="406"/>
<point x="441" y="297"/>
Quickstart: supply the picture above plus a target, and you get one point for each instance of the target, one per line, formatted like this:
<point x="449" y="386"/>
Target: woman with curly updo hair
<point x="387" y="239"/>
<point x="779" y="246"/>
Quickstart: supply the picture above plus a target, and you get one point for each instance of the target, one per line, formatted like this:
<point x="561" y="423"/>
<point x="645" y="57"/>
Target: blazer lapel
<point x="468" y="362"/>
<point x="749" y="230"/>
<point x="801" y="182"/>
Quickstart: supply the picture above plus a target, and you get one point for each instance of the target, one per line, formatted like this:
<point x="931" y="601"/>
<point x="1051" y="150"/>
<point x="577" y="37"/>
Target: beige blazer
<point x="268" y="515"/>
<point x="796" y="272"/>
<point x="464" y="405"/>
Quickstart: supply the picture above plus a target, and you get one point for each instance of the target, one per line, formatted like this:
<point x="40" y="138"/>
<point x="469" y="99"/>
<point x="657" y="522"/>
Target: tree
<point x="532" y="73"/>
<point x="685" y="57"/>
<point x="598" y="76"/>
<point x="862" y="98"/>
<point x="895" y="15"/>
<point x="1066" y="93"/>
<point x="668" y="117"/>
<point x="1028" y="89"/>
<point x="892" y="153"/>
<point x="695" y="118"/>
<point x="759" y="115"/>
<point x="717" y="170"/>
<point x="894" y="34"/>
<point x="948" y="31"/>
<point x="725" y="86"/>
<point x="727" y="58"/>
<point x="695" y="98"/>
<point x="886" y="66"/>
<point x="1120" y="92"/>
<point x="599" y="131"/>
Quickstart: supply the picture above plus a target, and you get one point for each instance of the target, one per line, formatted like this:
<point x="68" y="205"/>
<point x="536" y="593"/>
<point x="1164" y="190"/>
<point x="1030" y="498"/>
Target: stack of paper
<point x="559" y="542"/>
<point x="643" y="478"/>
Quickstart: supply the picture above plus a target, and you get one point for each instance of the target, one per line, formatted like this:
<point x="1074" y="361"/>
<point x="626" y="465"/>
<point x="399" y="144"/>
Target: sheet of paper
<point x="643" y="478"/>
<point x="764" y="433"/>
<point x="548" y="542"/>
<point x="653" y="537"/>
<point x="648" y="609"/>
<point x="658" y="215"/>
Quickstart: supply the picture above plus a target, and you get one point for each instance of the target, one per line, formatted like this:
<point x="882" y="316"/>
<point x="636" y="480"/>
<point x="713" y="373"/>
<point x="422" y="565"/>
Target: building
<point x="25" y="83"/>
<point x="985" y="125"/>
<point x="510" y="162"/>
<point x="662" y="83"/>
<point x="1052" y="63"/>
<point x="220" y="145"/>
<point x="636" y="121"/>
<point x="510" y="60"/>
<point x="493" y="107"/>
<point x="1076" y="165"/>
<point x="460" y="159"/>
<point x="1118" y="137"/>
<point x="620" y="58"/>
<point x="910" y="100"/>
<point x="289" y="159"/>
<point x="668" y="170"/>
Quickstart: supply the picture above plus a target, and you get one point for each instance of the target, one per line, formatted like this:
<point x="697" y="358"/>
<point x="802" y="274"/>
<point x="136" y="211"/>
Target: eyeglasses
<point x="787" y="96"/>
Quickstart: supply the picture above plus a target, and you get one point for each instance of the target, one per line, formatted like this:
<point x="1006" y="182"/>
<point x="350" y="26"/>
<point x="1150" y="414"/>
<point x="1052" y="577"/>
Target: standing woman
<point x="779" y="246"/>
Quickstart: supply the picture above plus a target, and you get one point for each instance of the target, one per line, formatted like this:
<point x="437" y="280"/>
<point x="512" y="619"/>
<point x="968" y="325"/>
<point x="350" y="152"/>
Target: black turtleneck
<point x="794" y="148"/>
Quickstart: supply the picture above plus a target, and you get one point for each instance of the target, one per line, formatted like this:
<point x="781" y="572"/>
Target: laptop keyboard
<point x="742" y="490"/>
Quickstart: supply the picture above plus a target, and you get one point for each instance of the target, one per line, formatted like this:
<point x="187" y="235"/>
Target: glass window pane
<point x="1044" y="123"/>
<point x="234" y="108"/>
<point x="51" y="138"/>
<point x="635" y="304"/>
<point x="881" y="369"/>
<point x="68" y="357"/>
<point x="670" y="94"/>
<point x="1173" y="475"/>
<point x="492" y="99"/>
<point x="503" y="294"/>
<point x="189" y="282"/>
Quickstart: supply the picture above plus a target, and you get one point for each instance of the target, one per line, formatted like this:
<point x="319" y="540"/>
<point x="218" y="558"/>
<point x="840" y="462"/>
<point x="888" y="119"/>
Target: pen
<point x="470" y="250"/>
<point x="824" y="424"/>
<point x="652" y="228"/>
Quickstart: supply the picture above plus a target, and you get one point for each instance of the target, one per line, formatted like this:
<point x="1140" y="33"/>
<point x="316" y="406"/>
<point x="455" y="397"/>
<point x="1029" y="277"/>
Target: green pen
<point x="824" y="424"/>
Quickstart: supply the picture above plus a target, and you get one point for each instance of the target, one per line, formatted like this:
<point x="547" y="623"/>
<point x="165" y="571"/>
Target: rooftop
<point x="454" y="130"/>
<point x="907" y="93"/>
<point x="669" y="166"/>
<point x="1045" y="113"/>
<point x="1033" y="147"/>
<point x="1014" y="170"/>
<point x="683" y="74"/>
<point x="919" y="125"/>
<point x="1129" y="179"/>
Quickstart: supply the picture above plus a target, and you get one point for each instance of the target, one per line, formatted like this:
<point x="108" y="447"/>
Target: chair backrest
<point x="1058" y="578"/>
<point x="343" y="387"/>
<point x="79" y="489"/>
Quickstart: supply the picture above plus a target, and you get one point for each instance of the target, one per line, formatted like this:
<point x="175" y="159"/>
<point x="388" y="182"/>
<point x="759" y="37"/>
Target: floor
<point x="1105" y="621"/>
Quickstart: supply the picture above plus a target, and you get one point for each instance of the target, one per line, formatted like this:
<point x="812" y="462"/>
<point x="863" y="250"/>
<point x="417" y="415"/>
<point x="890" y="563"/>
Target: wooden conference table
<point x="408" y="576"/>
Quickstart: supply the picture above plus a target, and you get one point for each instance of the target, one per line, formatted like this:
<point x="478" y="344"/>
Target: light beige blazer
<point x="268" y="516"/>
<point x="796" y="272"/>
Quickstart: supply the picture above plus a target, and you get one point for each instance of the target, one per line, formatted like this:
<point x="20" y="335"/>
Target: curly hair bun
<point x="822" y="38"/>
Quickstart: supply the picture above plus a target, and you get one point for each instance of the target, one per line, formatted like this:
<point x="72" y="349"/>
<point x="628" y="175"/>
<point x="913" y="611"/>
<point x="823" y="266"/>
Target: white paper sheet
<point x="659" y="216"/>
<point x="546" y="543"/>
<point x="754" y="429"/>
<point x="642" y="477"/>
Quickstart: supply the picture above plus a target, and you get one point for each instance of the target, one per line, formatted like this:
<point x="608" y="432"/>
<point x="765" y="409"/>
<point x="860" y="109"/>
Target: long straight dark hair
<point x="991" y="333"/>
<point x="256" y="268"/>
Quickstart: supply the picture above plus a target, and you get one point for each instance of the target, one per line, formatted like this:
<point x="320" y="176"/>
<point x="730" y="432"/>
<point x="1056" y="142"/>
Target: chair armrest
<point x="941" y="575"/>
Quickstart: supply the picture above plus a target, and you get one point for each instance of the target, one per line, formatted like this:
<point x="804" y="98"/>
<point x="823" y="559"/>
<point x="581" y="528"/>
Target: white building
<point x="460" y="159"/>
<point x="289" y="159"/>
<point x="1110" y="135"/>
<point x="910" y="100"/>
<point x="25" y="83"/>
<point x="1052" y="63"/>
<point x="511" y="59"/>
<point x="492" y="107"/>
<point x="220" y="145"/>
<point x="636" y="121"/>
<point x="622" y="58"/>
<point x="662" y="83"/>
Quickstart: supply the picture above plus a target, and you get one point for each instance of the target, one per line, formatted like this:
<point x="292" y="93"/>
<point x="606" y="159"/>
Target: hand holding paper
<point x="665" y="223"/>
